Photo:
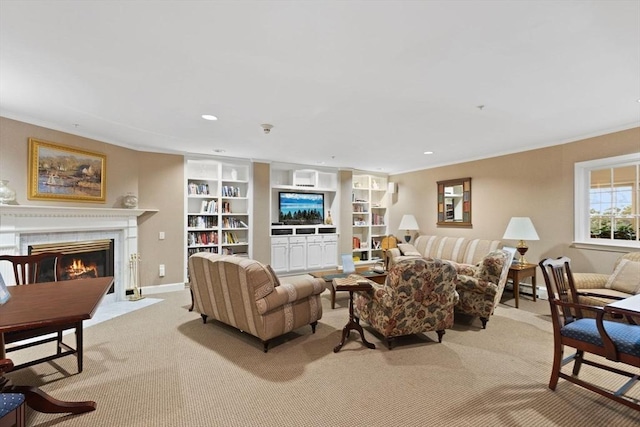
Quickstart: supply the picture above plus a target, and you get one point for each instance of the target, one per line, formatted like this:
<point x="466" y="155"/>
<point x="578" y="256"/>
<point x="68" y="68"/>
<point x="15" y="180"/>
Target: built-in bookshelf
<point x="217" y="206"/>
<point x="369" y="216"/>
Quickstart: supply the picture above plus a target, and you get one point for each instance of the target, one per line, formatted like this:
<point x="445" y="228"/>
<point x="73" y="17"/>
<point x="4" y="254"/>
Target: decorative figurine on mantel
<point x="328" y="220"/>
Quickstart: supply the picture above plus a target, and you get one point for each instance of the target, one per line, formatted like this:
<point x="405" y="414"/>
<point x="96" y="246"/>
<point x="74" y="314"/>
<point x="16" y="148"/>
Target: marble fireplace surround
<point x="21" y="226"/>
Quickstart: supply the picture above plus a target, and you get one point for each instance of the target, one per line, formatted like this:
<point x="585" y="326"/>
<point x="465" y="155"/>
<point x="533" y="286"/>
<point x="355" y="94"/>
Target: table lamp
<point x="408" y="223"/>
<point x="521" y="228"/>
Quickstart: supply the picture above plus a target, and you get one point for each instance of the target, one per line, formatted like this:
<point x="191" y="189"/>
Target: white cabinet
<point x="217" y="206"/>
<point x="315" y="246"/>
<point x="297" y="253"/>
<point x="369" y="216"/>
<point x="279" y="253"/>
<point x="329" y="251"/>
<point x="303" y="253"/>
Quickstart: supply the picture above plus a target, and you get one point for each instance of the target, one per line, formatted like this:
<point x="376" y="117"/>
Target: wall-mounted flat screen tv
<point x="298" y="208"/>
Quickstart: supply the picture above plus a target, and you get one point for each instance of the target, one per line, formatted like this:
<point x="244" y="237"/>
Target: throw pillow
<point x="625" y="278"/>
<point x="408" y="249"/>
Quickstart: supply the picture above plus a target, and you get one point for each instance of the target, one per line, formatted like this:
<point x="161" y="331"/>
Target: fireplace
<point x="22" y="226"/>
<point x="81" y="260"/>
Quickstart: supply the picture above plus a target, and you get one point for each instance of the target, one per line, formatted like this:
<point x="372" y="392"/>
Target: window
<point x="607" y="205"/>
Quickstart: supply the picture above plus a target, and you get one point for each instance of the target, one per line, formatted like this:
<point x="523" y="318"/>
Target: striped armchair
<point x="247" y="295"/>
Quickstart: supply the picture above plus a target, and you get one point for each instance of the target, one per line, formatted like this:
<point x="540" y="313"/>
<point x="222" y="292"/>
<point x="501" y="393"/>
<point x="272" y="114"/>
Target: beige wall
<point x="157" y="179"/>
<point x="161" y="178"/>
<point x="537" y="184"/>
<point x="260" y="218"/>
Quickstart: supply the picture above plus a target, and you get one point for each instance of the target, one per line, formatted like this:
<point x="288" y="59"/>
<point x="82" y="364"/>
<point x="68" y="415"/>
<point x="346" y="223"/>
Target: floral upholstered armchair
<point x="419" y="295"/>
<point x="480" y="286"/>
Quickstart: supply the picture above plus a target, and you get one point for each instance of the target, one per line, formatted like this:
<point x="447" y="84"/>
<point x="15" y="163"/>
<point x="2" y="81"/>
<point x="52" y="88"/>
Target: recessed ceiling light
<point x="218" y="150"/>
<point x="428" y="152"/>
<point x="209" y="117"/>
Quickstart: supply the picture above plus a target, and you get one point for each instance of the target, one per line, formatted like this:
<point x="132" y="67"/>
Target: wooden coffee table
<point x="351" y="285"/>
<point x="329" y="275"/>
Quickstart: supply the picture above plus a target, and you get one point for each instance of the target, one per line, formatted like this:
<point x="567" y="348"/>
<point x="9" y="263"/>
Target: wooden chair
<point x="615" y="341"/>
<point x="26" y="270"/>
<point x="12" y="404"/>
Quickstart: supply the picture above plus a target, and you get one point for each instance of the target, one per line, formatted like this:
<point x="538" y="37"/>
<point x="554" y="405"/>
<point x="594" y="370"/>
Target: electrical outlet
<point x="161" y="270"/>
<point x="161" y="235"/>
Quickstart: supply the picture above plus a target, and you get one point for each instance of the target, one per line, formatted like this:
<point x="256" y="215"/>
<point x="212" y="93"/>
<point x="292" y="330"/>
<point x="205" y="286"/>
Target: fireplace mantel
<point x="48" y="211"/>
<point x="24" y="225"/>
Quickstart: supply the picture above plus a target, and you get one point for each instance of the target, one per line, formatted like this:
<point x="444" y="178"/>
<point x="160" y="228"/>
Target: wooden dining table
<point x="49" y="304"/>
<point x="629" y="307"/>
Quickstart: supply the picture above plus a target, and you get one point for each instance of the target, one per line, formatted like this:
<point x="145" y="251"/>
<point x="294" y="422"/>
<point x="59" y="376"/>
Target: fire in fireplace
<point x="81" y="260"/>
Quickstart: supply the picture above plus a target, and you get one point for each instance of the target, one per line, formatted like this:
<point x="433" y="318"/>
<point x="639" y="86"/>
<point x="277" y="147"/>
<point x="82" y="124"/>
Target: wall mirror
<point x="454" y="202"/>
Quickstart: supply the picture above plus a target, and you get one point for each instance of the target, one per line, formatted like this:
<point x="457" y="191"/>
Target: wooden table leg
<point x="40" y="401"/>
<point x="516" y="287"/>
<point x="352" y="324"/>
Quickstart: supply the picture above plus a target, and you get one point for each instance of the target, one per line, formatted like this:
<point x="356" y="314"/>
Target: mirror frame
<point x="466" y="202"/>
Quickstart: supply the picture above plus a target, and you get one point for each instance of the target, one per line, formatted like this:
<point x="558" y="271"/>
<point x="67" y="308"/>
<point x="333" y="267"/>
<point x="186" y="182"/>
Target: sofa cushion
<point x="408" y="249"/>
<point x="625" y="278"/>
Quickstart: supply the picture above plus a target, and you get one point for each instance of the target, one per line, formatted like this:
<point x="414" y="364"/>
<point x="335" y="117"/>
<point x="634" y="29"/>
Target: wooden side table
<point x="522" y="271"/>
<point x="351" y="285"/>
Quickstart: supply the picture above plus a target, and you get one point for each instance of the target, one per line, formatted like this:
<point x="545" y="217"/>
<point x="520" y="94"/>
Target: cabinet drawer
<point x="297" y="240"/>
<point x="279" y="240"/>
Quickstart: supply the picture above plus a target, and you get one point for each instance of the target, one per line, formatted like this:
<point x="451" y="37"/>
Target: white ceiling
<point x="360" y="84"/>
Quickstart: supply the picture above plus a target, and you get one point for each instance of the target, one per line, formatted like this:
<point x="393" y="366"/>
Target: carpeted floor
<point x="161" y="366"/>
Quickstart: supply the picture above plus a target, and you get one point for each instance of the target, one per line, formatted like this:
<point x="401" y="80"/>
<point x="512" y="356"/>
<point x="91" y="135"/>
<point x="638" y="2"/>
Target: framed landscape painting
<point x="58" y="172"/>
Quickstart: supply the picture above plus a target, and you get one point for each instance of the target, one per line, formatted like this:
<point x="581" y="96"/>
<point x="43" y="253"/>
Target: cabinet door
<point x="314" y="252"/>
<point x="279" y="250"/>
<point x="330" y="251"/>
<point x="297" y="253"/>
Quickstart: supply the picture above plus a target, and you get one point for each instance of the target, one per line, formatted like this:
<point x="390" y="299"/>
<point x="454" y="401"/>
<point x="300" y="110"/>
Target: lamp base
<point x="522" y="249"/>
<point x="407" y="238"/>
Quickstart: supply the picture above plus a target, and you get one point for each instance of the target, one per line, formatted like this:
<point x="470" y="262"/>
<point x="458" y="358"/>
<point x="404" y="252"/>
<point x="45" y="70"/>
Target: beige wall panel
<point x="161" y="187"/>
<point x="261" y="243"/>
<point x="536" y="183"/>
<point x="122" y="168"/>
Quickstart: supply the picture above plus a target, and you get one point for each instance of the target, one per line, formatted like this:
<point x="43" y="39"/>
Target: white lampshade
<point x="520" y="228"/>
<point x="408" y="222"/>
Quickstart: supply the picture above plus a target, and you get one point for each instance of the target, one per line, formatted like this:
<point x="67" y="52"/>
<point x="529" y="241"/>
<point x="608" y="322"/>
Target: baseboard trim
<point x="527" y="288"/>
<point x="160" y="289"/>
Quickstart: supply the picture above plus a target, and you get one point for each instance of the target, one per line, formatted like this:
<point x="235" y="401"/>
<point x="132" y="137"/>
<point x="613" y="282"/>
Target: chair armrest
<point x="473" y="284"/>
<point x="393" y="253"/>
<point x="380" y="294"/>
<point x="465" y="269"/>
<point x="590" y="280"/>
<point x="290" y="292"/>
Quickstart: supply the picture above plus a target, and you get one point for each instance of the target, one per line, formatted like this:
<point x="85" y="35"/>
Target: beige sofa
<point x="247" y="295"/>
<point x="457" y="249"/>
<point x="601" y="289"/>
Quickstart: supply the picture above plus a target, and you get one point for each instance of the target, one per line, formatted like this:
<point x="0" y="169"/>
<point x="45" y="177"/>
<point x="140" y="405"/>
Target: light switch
<point x="161" y="235"/>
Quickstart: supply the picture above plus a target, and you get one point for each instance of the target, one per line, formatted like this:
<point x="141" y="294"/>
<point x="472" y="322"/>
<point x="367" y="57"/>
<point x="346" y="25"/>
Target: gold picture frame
<point x="59" y="172"/>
